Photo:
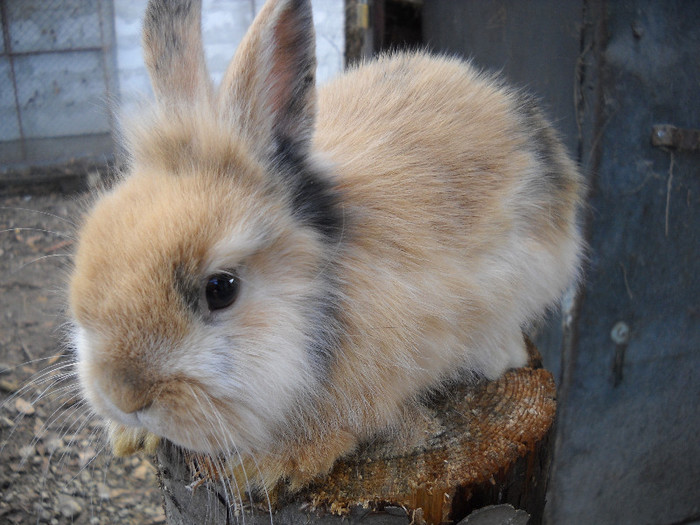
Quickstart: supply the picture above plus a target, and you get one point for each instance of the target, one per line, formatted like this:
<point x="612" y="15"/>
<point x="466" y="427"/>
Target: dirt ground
<point x="53" y="466"/>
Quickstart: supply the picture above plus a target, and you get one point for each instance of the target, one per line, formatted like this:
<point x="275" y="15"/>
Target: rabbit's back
<point x="461" y="209"/>
<point x="413" y="132"/>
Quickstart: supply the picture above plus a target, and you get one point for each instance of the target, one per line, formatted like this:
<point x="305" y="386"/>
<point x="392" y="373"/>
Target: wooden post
<point x="490" y="444"/>
<point x="359" y="33"/>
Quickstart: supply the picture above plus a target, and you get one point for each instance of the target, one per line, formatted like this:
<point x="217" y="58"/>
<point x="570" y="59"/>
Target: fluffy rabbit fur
<point x="390" y="232"/>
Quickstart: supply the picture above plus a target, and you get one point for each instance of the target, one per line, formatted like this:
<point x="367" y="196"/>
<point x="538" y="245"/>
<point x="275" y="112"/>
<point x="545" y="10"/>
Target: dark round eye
<point x="221" y="290"/>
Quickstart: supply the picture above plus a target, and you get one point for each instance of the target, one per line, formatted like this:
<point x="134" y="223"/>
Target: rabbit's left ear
<point x="173" y="51"/>
<point x="269" y="90"/>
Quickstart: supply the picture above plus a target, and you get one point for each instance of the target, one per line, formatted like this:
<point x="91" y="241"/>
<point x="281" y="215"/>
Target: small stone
<point x="18" y="468"/>
<point x="119" y="493"/>
<point x="86" y="455"/>
<point x="103" y="491"/>
<point x="39" y="428"/>
<point x="26" y="451"/>
<point x="143" y="471"/>
<point x="24" y="407"/>
<point x="9" y="385"/>
<point x="6" y="422"/>
<point x="41" y="513"/>
<point x="495" y="515"/>
<point x="69" y="507"/>
<point x="54" y="444"/>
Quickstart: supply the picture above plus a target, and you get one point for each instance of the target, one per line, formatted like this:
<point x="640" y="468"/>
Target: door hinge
<point x="668" y="136"/>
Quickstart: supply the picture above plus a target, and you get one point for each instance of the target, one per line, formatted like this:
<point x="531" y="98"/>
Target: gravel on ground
<point x="53" y="464"/>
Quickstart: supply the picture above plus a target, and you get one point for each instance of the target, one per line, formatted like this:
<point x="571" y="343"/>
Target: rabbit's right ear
<point x="269" y="89"/>
<point x="174" y="54"/>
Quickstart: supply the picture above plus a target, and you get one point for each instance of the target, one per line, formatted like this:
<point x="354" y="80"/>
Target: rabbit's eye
<point x="221" y="290"/>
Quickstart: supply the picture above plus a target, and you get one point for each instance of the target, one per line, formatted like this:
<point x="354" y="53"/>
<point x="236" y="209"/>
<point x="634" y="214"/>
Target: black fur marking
<point x="188" y="290"/>
<point x="166" y="18"/>
<point x="313" y="198"/>
<point x="326" y="332"/>
<point x="545" y="145"/>
<point x="315" y="202"/>
<point x="298" y="57"/>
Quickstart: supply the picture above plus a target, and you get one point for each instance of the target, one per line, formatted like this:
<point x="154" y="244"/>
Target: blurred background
<point x="621" y="82"/>
<point x="70" y="68"/>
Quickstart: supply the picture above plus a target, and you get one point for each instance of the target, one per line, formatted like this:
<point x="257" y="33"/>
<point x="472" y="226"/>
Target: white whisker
<point x="37" y="259"/>
<point x="264" y="486"/>
<point x="224" y="446"/>
<point x="40" y="212"/>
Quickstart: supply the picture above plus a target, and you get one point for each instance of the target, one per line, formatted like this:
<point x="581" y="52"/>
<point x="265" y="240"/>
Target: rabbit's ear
<point x="269" y="90"/>
<point x="174" y="54"/>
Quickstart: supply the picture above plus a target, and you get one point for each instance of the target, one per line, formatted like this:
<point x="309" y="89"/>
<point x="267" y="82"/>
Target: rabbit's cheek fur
<point x="149" y="352"/>
<point x="91" y="390"/>
<point x="228" y="384"/>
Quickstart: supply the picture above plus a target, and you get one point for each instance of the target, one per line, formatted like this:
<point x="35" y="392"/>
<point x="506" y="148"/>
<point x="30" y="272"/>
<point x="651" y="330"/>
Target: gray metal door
<point x="628" y="368"/>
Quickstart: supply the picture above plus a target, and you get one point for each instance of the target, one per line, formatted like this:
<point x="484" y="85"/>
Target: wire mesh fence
<point x="56" y="80"/>
<point x="67" y="65"/>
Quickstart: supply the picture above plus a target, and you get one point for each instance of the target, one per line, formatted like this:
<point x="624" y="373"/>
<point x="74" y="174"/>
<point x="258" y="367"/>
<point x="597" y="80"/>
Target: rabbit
<point x="282" y="272"/>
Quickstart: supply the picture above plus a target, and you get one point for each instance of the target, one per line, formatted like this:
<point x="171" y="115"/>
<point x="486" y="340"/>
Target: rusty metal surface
<point x="668" y="136"/>
<point x="627" y="445"/>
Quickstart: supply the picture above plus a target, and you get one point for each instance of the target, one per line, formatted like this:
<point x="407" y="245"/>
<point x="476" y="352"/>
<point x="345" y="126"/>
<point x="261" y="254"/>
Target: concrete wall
<point x="55" y="77"/>
<point x="224" y="22"/>
<point x="66" y="66"/>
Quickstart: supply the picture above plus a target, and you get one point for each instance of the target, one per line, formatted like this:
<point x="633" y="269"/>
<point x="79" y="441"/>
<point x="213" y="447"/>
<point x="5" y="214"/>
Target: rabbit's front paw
<point x="126" y="441"/>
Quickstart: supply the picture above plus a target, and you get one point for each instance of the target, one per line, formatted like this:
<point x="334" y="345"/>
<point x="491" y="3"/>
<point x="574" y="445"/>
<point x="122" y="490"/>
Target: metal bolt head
<point x="620" y="333"/>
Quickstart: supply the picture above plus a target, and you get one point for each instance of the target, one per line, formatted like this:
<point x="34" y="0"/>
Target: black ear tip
<point x="301" y="4"/>
<point x="166" y="11"/>
<point x="304" y="12"/>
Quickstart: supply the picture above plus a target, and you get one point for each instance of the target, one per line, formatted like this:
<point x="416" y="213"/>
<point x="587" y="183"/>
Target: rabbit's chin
<point x="197" y="433"/>
<point x="215" y="389"/>
<point x="220" y="432"/>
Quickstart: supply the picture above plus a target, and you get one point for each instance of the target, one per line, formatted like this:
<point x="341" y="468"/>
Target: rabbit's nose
<point x="128" y="389"/>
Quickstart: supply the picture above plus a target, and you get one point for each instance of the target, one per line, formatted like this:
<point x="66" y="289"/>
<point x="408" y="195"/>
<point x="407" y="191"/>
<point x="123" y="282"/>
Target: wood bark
<point x="489" y="444"/>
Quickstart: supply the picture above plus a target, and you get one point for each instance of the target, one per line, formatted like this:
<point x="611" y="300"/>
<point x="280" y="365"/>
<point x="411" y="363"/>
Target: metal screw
<point x="620" y="333"/>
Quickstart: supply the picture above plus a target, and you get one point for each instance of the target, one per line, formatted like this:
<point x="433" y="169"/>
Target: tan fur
<point x="173" y="47"/>
<point x="458" y="211"/>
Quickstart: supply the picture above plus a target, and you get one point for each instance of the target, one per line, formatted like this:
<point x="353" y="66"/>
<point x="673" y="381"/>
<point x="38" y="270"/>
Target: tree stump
<point x="490" y="445"/>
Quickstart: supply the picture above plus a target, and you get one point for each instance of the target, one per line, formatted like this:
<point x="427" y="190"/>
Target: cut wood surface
<point x="488" y="444"/>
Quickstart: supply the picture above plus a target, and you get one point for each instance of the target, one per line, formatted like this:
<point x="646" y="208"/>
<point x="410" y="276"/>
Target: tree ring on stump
<point x="490" y="444"/>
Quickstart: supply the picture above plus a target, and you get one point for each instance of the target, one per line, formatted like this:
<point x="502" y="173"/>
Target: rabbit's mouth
<point x="107" y="408"/>
<point x="183" y="413"/>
